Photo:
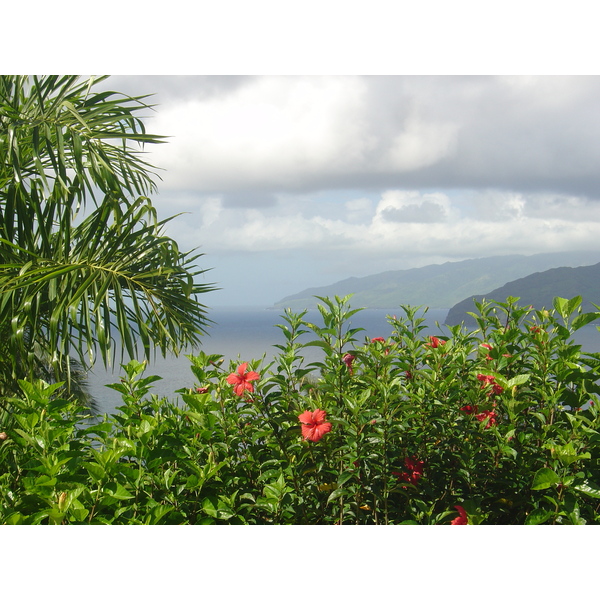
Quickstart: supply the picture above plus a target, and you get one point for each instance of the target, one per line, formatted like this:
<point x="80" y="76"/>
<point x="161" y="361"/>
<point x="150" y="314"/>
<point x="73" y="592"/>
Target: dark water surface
<point x="250" y="332"/>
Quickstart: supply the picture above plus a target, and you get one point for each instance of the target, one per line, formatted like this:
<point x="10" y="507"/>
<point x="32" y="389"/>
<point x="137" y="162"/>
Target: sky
<point x="289" y="182"/>
<point x="313" y="142"/>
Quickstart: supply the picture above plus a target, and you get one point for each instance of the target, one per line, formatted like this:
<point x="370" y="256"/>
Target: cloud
<point x="411" y="207"/>
<point x="358" y="210"/>
<point x="399" y="223"/>
<point x="420" y="144"/>
<point x="254" y="199"/>
<point x="273" y="133"/>
<point x="425" y="212"/>
<point x="304" y="134"/>
<point x="167" y="89"/>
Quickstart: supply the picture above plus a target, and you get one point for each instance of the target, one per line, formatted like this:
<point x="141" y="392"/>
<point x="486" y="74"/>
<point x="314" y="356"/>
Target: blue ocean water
<point x="246" y="333"/>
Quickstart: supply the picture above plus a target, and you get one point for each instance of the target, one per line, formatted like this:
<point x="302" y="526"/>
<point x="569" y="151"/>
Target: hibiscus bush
<point x="496" y="425"/>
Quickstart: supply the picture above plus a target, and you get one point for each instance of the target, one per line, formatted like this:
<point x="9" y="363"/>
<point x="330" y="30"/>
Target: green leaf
<point x="544" y="478"/>
<point x="583" y="319"/>
<point x="345" y="476"/>
<point x="69" y="282"/>
<point x="566" y="307"/>
<point x="269" y="504"/>
<point x="518" y="380"/>
<point x="588" y="488"/>
<point x="336" y="494"/>
<point x="36" y="441"/>
<point x="538" y="516"/>
<point x="196" y="402"/>
<point x="159" y="512"/>
<point x="116" y="490"/>
<point x="567" y="453"/>
<point x="96" y="471"/>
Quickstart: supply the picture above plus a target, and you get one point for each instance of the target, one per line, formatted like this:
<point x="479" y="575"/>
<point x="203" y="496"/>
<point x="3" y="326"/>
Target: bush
<point x="496" y="426"/>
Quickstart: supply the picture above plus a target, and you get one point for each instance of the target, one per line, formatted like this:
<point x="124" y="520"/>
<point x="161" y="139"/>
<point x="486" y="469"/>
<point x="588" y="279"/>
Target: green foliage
<point x="501" y="422"/>
<point x="83" y="257"/>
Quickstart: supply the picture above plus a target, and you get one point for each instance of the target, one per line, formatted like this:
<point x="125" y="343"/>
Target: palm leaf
<point x="67" y="288"/>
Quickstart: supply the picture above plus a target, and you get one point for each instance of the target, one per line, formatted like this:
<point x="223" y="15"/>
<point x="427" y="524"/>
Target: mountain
<point x="437" y="286"/>
<point x="538" y="290"/>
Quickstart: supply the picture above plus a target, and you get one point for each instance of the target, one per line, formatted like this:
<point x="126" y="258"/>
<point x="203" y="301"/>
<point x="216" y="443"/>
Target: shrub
<point x="496" y="426"/>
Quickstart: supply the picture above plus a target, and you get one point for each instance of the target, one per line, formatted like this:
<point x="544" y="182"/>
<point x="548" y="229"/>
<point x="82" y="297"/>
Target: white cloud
<point x="403" y="223"/>
<point x="272" y="131"/>
<point x="420" y="144"/>
<point x="412" y="207"/>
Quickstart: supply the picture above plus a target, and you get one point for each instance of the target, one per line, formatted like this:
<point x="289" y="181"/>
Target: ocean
<point x="246" y="333"/>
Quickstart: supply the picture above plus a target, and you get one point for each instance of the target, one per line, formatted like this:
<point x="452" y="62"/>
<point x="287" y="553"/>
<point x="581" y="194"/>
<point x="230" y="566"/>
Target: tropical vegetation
<point x="497" y="425"/>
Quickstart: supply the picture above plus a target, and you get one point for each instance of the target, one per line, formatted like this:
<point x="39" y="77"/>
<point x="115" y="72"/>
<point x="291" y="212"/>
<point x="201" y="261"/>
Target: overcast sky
<point x="289" y="182"/>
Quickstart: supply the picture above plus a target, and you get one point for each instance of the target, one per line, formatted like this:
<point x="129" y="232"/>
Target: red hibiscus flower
<point x="240" y="380"/>
<point x="381" y="341"/>
<point x="490" y="380"/>
<point x="463" y="519"/>
<point x="488" y="348"/>
<point x="435" y="342"/>
<point x="469" y="409"/>
<point x="348" y="360"/>
<point x="314" y="425"/>
<point x="486" y="379"/>
<point x="414" y="471"/>
<point x="482" y="416"/>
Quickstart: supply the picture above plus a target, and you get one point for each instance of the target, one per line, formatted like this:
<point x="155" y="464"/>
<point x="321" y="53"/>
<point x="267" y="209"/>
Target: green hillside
<point x="538" y="290"/>
<point x="437" y="286"/>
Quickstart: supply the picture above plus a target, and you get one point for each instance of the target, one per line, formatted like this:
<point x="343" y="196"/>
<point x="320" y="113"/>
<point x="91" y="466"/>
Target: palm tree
<point x="84" y="260"/>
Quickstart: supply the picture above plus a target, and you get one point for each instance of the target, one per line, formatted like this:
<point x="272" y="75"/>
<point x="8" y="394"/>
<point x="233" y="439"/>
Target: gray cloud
<point x="169" y="88"/>
<point x="251" y="199"/>
<point x="425" y="212"/>
<point x="522" y="134"/>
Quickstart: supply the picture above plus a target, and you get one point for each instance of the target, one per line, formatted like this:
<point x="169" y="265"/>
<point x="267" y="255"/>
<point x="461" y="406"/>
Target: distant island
<point x="440" y="286"/>
<point x="538" y="290"/>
